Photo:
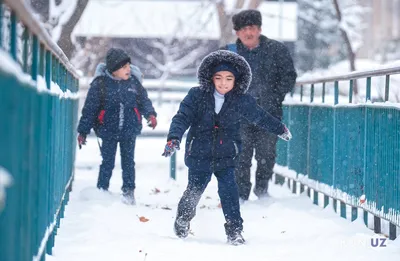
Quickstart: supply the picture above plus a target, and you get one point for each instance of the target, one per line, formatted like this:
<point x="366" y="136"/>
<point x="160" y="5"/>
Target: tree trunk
<point x="65" y="41"/>
<point x="225" y="19"/>
<point x="350" y="53"/>
<point x="42" y="7"/>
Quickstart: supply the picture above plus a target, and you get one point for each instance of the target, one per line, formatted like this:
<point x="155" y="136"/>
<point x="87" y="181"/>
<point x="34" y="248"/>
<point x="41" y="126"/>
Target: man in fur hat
<point x="273" y="77"/>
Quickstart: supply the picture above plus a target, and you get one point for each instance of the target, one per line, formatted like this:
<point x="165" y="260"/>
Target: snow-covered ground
<point x="97" y="226"/>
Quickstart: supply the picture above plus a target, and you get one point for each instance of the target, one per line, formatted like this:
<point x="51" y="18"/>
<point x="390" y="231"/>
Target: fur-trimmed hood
<point x="204" y="73"/>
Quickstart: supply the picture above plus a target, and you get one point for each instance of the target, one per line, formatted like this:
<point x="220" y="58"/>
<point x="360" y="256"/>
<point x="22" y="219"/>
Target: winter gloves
<point x="81" y="140"/>
<point x="286" y="135"/>
<point x="152" y="121"/>
<point x="171" y="147"/>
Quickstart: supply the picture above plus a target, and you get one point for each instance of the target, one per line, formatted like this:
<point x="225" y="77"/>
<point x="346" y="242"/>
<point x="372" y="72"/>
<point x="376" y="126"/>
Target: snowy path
<point x="99" y="227"/>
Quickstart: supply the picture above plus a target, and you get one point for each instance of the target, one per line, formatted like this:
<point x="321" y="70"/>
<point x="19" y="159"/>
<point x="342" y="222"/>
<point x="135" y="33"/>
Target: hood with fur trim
<point x="205" y="71"/>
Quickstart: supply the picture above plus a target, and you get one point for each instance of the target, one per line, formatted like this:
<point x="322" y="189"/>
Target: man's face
<point x="123" y="73"/>
<point x="249" y="35"/>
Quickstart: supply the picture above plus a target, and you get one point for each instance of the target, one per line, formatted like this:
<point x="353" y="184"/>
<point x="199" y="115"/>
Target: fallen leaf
<point x="156" y="191"/>
<point x="283" y="231"/>
<point x="191" y="232"/>
<point x="166" y="191"/>
<point x="219" y="205"/>
<point x="143" y="219"/>
<point x="166" y="208"/>
<point x="203" y="206"/>
<point x="208" y="197"/>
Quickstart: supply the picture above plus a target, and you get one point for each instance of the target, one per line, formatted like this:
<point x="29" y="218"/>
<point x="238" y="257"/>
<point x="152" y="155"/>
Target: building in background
<point x="382" y="33"/>
<point x="167" y="38"/>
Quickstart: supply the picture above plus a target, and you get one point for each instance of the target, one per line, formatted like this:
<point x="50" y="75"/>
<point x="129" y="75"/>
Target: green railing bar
<point x="336" y="92"/>
<point x="323" y="92"/>
<point x="387" y="86"/>
<point x="1" y="23"/>
<point x="173" y="166"/>
<point x="312" y="93"/>
<point x="351" y="91"/>
<point x="35" y="60"/>
<point x="13" y="36"/>
<point x="48" y="68"/>
<point x="368" y="94"/>
<point x="301" y="93"/>
<point x="25" y="38"/>
<point x="25" y="16"/>
<point x="42" y="57"/>
<point x="352" y="76"/>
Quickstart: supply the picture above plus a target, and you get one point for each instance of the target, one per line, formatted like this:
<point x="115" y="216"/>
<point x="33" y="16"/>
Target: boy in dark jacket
<point x="114" y="106"/>
<point x="214" y="112"/>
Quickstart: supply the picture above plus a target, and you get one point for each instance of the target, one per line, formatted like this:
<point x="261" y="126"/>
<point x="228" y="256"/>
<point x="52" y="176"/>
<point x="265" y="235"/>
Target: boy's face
<point x="249" y="35"/>
<point x="223" y="81"/>
<point x="123" y="73"/>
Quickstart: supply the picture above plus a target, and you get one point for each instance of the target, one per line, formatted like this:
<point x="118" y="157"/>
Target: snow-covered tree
<point x="60" y="18"/>
<point x="226" y="9"/>
<point x="318" y="35"/>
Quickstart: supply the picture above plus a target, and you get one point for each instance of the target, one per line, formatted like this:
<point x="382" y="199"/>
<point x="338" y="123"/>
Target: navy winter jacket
<point x="213" y="140"/>
<point x="125" y="102"/>
<point x="273" y="73"/>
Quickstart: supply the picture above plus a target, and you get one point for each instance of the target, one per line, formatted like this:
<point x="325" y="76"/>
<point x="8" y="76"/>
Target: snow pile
<point x="5" y="182"/>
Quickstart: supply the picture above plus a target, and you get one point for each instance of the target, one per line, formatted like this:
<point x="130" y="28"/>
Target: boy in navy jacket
<point x="213" y="112"/>
<point x="114" y="106"/>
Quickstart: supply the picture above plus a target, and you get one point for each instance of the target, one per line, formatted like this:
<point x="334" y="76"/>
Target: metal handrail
<point x="25" y="16"/>
<point x="352" y="76"/>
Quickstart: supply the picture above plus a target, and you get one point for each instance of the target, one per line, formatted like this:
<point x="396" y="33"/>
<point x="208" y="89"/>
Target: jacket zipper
<point x="190" y="145"/>
<point x="236" y="149"/>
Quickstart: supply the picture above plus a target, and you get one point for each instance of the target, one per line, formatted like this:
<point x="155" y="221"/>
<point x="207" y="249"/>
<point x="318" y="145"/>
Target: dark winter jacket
<point x="125" y="101"/>
<point x="273" y="72"/>
<point x="213" y="140"/>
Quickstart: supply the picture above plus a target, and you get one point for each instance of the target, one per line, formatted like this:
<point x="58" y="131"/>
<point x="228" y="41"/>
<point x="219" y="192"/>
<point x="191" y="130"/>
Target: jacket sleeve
<point x="258" y="116"/>
<point x="145" y="105"/>
<point x="184" y="118"/>
<point x="286" y="70"/>
<point x="90" y="109"/>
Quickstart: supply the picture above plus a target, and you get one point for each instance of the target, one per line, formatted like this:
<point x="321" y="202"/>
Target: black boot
<point x="128" y="197"/>
<point x="236" y="239"/>
<point x="181" y="228"/>
<point x="234" y="234"/>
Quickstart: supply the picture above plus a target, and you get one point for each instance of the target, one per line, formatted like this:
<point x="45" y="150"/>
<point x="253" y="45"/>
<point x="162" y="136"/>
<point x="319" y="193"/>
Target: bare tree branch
<point x="350" y="53"/>
<point x="65" y="41"/>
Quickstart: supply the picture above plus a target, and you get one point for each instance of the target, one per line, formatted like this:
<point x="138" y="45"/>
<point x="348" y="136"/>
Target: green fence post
<point x="387" y="83"/>
<point x="323" y="92"/>
<point x="35" y="60"/>
<point x="173" y="166"/>
<point x="351" y="91"/>
<point x="1" y="24"/>
<point x="25" y="38"/>
<point x="13" y="36"/>
<point x="368" y="93"/>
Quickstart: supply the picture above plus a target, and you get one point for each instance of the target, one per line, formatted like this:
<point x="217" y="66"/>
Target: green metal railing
<point x="37" y="144"/>
<point x="344" y="149"/>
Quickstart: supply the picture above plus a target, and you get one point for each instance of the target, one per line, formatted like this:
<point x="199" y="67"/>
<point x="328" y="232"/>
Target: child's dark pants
<point x="108" y="151"/>
<point x="228" y="193"/>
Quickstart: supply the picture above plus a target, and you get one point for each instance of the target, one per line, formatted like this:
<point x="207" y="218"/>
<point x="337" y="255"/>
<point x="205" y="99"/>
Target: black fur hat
<point x="246" y="18"/>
